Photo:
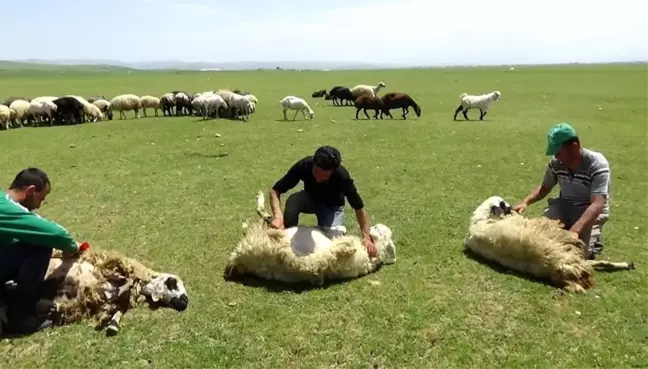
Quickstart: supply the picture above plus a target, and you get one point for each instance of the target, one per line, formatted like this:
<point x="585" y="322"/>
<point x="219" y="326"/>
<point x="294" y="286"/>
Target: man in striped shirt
<point x="583" y="176"/>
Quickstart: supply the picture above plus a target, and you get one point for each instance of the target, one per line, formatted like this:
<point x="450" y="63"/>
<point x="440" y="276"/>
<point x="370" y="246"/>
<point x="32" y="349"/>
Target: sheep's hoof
<point x="112" y="329"/>
<point x="631" y="265"/>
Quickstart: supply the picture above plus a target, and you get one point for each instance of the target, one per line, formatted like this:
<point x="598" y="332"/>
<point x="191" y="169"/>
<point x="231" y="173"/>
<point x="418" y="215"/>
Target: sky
<point x="428" y="32"/>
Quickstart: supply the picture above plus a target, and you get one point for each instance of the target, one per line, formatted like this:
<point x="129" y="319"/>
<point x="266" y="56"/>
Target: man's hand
<point x="369" y="245"/>
<point x="278" y="223"/>
<point x="521" y="207"/>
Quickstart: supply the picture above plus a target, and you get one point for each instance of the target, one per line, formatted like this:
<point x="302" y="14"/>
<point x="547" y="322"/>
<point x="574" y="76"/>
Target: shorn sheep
<point x="305" y="254"/>
<point x="368" y="90"/>
<point x="5" y="117"/>
<point x="103" y="285"/>
<point x="125" y="102"/>
<point x="395" y="100"/>
<point x="480" y="102"/>
<point x="539" y="246"/>
<point x="298" y="104"/>
<point x="148" y="101"/>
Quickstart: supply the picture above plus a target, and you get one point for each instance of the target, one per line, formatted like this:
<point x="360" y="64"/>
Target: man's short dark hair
<point x="327" y="158"/>
<point x="571" y="141"/>
<point x="30" y="177"/>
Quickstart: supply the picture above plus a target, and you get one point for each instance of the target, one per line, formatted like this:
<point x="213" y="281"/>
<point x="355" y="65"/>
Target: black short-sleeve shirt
<point x="331" y="192"/>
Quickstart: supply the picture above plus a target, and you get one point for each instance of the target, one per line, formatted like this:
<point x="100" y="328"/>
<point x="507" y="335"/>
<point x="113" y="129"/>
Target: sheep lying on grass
<point x="104" y="285"/>
<point x="298" y="104"/>
<point x="306" y="254"/>
<point x="480" y="102"/>
<point x="539" y="247"/>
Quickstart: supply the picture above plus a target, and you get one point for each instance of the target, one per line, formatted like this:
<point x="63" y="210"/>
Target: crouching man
<point x="584" y="179"/>
<point x="26" y="243"/>
<point x="326" y="183"/>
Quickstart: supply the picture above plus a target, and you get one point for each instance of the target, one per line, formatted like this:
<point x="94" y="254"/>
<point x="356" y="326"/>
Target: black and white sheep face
<point x="382" y="237"/>
<point x="498" y="95"/>
<point x="499" y="208"/>
<point x="168" y="289"/>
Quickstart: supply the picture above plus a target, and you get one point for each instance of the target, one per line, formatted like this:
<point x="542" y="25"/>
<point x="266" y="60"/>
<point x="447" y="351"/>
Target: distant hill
<point x="107" y="65"/>
<point x="56" y="64"/>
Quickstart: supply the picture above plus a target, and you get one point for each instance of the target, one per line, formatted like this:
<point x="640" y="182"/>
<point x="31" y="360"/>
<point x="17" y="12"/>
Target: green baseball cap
<point x="557" y="136"/>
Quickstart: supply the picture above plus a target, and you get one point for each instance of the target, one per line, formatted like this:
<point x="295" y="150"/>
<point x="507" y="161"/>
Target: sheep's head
<point x="381" y="85"/>
<point x="494" y="207"/>
<point x="497" y="95"/>
<point x="382" y="237"/>
<point x="168" y="289"/>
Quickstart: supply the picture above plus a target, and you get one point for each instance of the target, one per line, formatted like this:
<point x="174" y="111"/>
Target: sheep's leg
<point x="405" y="112"/>
<point x="481" y="114"/>
<point x="295" y="116"/>
<point x="365" y="112"/>
<point x="357" y="111"/>
<point x="144" y="111"/>
<point x="376" y="115"/>
<point x="284" y="111"/>
<point x="609" y="265"/>
<point x="465" y="114"/>
<point x="156" y="112"/>
<point x="457" y="111"/>
<point x="123" y="302"/>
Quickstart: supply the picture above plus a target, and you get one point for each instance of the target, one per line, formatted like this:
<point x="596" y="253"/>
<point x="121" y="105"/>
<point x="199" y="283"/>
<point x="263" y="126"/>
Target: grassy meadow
<point x="171" y="193"/>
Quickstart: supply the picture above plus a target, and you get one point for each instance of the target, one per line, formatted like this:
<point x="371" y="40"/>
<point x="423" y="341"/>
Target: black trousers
<point x="26" y="265"/>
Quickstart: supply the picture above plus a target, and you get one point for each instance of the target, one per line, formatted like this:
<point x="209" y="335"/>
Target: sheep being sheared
<point x="539" y="246"/>
<point x="306" y="254"/>
<point x="104" y="285"/>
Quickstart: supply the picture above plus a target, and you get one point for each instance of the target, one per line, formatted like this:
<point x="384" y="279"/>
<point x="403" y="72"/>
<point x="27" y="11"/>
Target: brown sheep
<point x="375" y="103"/>
<point x="395" y="100"/>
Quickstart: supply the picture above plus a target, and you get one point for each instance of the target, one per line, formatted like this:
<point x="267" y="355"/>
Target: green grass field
<point x="163" y="190"/>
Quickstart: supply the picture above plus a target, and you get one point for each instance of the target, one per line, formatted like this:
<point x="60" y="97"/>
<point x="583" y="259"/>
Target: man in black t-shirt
<point x="326" y="184"/>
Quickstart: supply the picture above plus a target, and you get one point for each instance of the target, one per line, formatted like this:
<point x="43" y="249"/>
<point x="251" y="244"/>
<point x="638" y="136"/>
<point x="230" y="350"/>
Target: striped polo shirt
<point x="592" y="178"/>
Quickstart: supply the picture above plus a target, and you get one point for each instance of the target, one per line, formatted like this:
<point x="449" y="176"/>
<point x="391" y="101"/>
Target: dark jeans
<point x="26" y="265"/>
<point x="301" y="202"/>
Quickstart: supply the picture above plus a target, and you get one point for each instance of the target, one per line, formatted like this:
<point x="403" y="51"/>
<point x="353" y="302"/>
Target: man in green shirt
<point x="26" y="243"/>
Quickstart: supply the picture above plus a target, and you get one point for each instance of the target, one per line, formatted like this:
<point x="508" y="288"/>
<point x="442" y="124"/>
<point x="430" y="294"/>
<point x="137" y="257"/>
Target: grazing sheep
<point x="69" y="110"/>
<point x="215" y="104"/>
<point x="5" y="117"/>
<point x="319" y="93"/>
<point x="125" y="102"/>
<point x="105" y="285"/>
<point x="147" y="101"/>
<point x="480" y="102"/>
<point x="540" y="247"/>
<point x="241" y="92"/>
<point x="22" y="111"/>
<point x="93" y="113"/>
<point x="182" y="102"/>
<point x="43" y="111"/>
<point x="88" y="108"/>
<point x="395" y="100"/>
<point x="167" y="103"/>
<point x="368" y="90"/>
<point x="298" y="104"/>
<point x="103" y="107"/>
<point x="306" y="254"/>
<point x="365" y="102"/>
<point x="340" y="95"/>
<point x="240" y="105"/>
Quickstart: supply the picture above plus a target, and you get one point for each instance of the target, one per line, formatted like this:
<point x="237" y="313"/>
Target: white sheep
<point x="306" y="254"/>
<point x="103" y="107"/>
<point x="360" y="90"/>
<point x="298" y="104"/>
<point x="214" y="103"/>
<point x="480" y="102"/>
<point x="22" y="111"/>
<point x="5" y="117"/>
<point x="148" y="101"/>
<point x="540" y="246"/>
<point x="94" y="113"/>
<point x="240" y="105"/>
<point x="125" y="102"/>
<point x="43" y="110"/>
<point x="104" y="285"/>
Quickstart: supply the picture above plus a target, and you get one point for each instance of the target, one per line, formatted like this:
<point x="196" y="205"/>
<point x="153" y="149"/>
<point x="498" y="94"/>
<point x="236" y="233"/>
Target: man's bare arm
<point x="363" y="221"/>
<point x="275" y="204"/>
<point x="536" y="195"/>
<point x="589" y="216"/>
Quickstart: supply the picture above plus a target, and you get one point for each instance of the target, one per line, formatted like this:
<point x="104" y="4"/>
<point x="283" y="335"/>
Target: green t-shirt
<point x="17" y="224"/>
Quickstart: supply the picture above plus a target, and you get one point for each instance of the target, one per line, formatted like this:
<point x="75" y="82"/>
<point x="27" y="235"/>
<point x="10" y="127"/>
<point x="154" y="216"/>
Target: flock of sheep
<point x="222" y="103"/>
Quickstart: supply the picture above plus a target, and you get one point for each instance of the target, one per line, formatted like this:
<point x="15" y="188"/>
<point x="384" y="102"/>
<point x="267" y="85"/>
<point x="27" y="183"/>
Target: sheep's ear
<point x="494" y="209"/>
<point x="505" y="207"/>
